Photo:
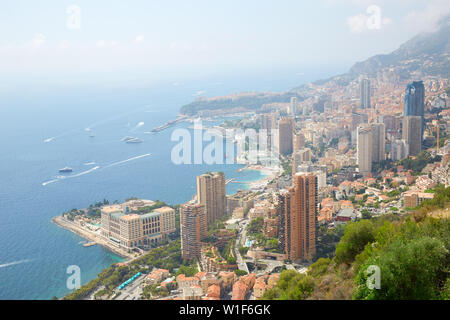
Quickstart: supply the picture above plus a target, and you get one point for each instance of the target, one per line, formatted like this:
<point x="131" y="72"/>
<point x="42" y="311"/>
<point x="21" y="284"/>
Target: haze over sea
<point x="44" y="130"/>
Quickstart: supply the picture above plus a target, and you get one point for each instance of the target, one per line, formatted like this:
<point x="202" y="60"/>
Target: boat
<point x="134" y="140"/>
<point x="66" y="169"/>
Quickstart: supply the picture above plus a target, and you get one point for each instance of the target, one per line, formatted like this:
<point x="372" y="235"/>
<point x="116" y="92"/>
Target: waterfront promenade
<point x="91" y="236"/>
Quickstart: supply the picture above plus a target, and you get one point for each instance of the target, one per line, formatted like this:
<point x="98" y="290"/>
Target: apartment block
<point x="130" y="230"/>
<point x="211" y="194"/>
<point x="193" y="229"/>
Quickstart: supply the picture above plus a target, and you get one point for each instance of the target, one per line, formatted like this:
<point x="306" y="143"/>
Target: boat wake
<point x="14" y="263"/>
<point x="127" y="160"/>
<point x="71" y="176"/>
<point x="58" y="178"/>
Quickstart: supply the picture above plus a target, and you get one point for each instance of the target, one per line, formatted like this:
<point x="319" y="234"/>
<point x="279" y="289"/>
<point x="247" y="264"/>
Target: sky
<point x="50" y="38"/>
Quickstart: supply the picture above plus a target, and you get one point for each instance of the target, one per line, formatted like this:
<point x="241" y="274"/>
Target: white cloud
<point x="139" y="39"/>
<point x="38" y="40"/>
<point x="64" y="44"/>
<point x="357" y="23"/>
<point x="427" y="20"/>
<point x="101" y="43"/>
<point x="373" y="20"/>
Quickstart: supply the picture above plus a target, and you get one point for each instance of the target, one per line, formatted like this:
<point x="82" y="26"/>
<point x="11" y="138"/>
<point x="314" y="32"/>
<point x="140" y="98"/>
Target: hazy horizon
<point x="112" y="42"/>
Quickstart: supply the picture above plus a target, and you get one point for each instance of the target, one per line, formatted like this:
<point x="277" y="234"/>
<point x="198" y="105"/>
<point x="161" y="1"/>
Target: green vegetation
<point x="287" y="167"/>
<point x="250" y="102"/>
<point x="188" y="271"/>
<point x="166" y="257"/>
<point x="327" y="240"/>
<point x="158" y="204"/>
<point x="356" y="236"/>
<point x="412" y="253"/>
<point x="416" y="165"/>
<point x="240" y="272"/>
<point x="93" y="211"/>
<point x="291" y="286"/>
<point x="255" y="226"/>
<point x="243" y="250"/>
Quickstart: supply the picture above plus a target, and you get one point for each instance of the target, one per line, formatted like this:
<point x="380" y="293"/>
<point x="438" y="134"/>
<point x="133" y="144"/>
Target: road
<point x="239" y="241"/>
<point x="132" y="291"/>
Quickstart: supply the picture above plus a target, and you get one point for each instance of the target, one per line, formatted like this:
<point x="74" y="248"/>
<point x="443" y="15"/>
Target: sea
<point x="47" y="128"/>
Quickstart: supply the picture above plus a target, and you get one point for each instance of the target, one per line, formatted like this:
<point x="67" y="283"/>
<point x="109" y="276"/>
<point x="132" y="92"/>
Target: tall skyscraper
<point x="299" y="141"/>
<point x="364" y="93"/>
<point x="414" y="104"/>
<point x="268" y="121"/>
<point x="299" y="157"/>
<point x="298" y="215"/>
<point x="414" y="99"/>
<point x="357" y="119"/>
<point x="193" y="229"/>
<point x="293" y="106"/>
<point x="286" y="127"/>
<point x="393" y="126"/>
<point x="364" y="148"/>
<point x="211" y="193"/>
<point x="399" y="150"/>
<point x="378" y="142"/>
<point x="412" y="133"/>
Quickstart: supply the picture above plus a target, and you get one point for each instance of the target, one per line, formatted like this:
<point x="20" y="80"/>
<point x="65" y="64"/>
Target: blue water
<point x="34" y="253"/>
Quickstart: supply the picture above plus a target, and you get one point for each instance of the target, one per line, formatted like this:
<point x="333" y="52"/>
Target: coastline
<point x="268" y="174"/>
<point x="62" y="222"/>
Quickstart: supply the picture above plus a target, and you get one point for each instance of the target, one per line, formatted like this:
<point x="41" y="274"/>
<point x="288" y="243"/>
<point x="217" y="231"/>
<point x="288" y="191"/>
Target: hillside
<point x="426" y="54"/>
<point x="238" y="102"/>
<point x="412" y="254"/>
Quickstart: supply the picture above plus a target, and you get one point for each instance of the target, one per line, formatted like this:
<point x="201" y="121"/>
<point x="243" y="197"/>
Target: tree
<point x="188" y="271"/>
<point x="239" y="272"/>
<point x="366" y="214"/>
<point x="356" y="236"/>
<point x="408" y="271"/>
<point x="291" y="286"/>
<point x="319" y="267"/>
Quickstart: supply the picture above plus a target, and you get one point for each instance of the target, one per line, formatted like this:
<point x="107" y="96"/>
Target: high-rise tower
<point x="211" y="193"/>
<point x="193" y="229"/>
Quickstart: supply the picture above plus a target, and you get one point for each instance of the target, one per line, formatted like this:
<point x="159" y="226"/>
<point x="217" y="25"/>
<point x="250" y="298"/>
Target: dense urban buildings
<point x="414" y="104"/>
<point x="298" y="210"/>
<point x="299" y="141"/>
<point x="365" y="93"/>
<point x="211" y="193"/>
<point x="364" y="149"/>
<point x="399" y="149"/>
<point x="412" y="133"/>
<point x="293" y="107"/>
<point x="193" y="227"/>
<point x="286" y="127"/>
<point x="125" y="227"/>
<point x="378" y="141"/>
